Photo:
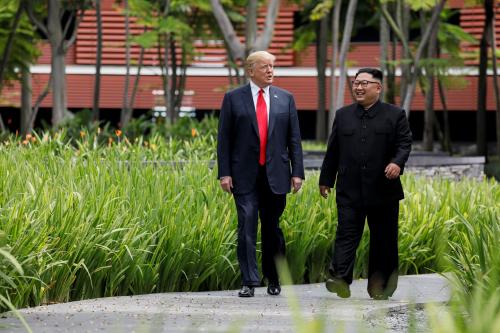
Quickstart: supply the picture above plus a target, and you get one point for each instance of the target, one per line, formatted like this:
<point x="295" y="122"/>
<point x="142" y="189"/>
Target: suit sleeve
<point x="331" y="161"/>
<point x="224" y="139"/>
<point x="403" y="141"/>
<point x="294" y="142"/>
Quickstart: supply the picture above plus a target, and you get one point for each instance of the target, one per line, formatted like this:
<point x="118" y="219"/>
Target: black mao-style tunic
<point x="362" y="144"/>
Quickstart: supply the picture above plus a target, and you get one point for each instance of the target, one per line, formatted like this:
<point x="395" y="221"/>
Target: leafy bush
<point x="88" y="219"/>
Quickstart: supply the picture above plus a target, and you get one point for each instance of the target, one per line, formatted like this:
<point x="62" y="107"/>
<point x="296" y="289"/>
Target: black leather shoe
<point x="274" y="289"/>
<point x="246" y="291"/>
<point x="339" y="287"/>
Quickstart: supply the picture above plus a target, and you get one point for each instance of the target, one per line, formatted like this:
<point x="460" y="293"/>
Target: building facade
<point x="207" y="75"/>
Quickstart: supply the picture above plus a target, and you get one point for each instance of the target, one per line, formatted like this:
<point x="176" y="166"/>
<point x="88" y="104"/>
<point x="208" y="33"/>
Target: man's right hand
<point x="226" y="183"/>
<point x="323" y="191"/>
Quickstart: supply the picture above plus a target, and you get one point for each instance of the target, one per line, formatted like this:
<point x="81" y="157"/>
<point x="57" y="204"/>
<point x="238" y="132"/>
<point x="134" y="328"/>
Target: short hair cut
<point x="256" y="56"/>
<point x="375" y="72"/>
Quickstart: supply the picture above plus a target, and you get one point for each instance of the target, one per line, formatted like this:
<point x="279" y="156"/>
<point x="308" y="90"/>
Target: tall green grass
<point x="87" y="220"/>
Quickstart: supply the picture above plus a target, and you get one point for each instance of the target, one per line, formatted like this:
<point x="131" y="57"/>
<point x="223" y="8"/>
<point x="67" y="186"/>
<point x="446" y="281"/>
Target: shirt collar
<point x="255" y="89"/>
<point x="371" y="112"/>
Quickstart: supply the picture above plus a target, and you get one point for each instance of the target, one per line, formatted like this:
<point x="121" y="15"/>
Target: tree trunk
<point x="173" y="81"/>
<point x="137" y="77"/>
<point x="97" y="82"/>
<point x="384" y="46"/>
<point x="410" y="92"/>
<point x="126" y="114"/>
<point x="403" y="19"/>
<point x="58" y="86"/>
<point x="38" y="102"/>
<point x="321" y="51"/>
<point x="250" y="26"/>
<point x="493" y="42"/>
<point x="236" y="48"/>
<point x="428" y="137"/>
<point x="344" y="48"/>
<point x="59" y="46"/>
<point x="446" y="121"/>
<point x="181" y="84"/>
<point x="167" y="81"/>
<point x="335" y="50"/>
<point x="481" y="141"/>
<point x="26" y="94"/>
<point x="56" y="39"/>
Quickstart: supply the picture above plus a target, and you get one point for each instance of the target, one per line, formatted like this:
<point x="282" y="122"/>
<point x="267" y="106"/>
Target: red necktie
<point x="262" y="122"/>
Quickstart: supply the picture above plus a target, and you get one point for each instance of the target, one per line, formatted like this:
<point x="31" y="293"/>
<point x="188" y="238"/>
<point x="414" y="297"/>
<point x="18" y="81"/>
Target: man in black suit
<point x="259" y="158"/>
<point x="367" y="151"/>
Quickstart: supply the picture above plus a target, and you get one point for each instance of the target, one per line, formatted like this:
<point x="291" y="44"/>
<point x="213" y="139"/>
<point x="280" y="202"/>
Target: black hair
<point x="376" y="73"/>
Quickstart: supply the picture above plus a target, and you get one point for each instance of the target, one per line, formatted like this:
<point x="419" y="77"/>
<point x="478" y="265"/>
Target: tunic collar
<point x="371" y="112"/>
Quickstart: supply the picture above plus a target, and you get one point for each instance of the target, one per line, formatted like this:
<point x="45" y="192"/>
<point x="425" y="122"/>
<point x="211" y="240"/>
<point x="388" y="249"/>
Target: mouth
<point x="359" y="94"/>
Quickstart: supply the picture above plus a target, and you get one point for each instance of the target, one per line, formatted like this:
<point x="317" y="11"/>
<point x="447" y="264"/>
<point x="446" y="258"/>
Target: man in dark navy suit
<point x="259" y="156"/>
<point x="367" y="151"/>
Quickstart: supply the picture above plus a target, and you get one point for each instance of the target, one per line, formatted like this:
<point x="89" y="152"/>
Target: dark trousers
<point x="383" y="260"/>
<point x="268" y="206"/>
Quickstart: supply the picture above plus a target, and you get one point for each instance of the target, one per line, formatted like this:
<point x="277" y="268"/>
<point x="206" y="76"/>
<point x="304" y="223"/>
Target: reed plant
<point x="89" y="219"/>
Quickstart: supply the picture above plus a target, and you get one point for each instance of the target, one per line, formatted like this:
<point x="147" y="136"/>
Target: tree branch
<point x="264" y="39"/>
<point x="29" y="9"/>
<point x="39" y="100"/>
<point x="67" y="44"/>
<point x="236" y="48"/>
<point x="396" y="29"/>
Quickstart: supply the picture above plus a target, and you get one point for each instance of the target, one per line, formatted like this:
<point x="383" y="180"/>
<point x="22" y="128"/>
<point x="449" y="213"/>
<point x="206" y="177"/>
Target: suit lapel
<point x="273" y="98"/>
<point x="250" y="107"/>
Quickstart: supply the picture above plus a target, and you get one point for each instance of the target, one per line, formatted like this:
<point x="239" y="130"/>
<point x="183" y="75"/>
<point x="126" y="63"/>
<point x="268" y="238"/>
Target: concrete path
<point x="223" y="311"/>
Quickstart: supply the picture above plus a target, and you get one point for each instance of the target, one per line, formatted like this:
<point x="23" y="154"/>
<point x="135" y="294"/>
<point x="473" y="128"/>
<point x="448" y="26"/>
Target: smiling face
<point x="367" y="96"/>
<point x="262" y="71"/>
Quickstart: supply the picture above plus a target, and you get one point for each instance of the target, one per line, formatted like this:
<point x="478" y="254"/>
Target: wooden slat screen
<point x="208" y="52"/>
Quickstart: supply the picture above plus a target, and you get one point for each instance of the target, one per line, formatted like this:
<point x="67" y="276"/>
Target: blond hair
<point x="256" y="56"/>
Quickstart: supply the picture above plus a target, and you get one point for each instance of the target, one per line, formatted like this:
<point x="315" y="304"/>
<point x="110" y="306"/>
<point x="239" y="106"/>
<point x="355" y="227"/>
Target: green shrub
<point x="86" y="218"/>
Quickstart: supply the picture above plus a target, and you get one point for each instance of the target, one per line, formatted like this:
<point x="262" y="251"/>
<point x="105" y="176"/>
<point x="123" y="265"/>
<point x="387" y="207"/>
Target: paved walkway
<point x="222" y="311"/>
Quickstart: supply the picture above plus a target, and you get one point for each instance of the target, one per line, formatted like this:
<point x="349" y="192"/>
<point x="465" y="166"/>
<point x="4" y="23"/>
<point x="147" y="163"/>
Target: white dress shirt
<point x="255" y="94"/>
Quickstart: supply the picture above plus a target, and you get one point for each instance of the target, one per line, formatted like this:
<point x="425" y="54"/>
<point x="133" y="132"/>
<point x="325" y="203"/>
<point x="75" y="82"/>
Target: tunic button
<point x="363" y="140"/>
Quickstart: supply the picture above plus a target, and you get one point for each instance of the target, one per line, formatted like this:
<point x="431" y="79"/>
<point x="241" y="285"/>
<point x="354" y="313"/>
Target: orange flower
<point x="28" y="136"/>
<point x="194" y="132"/>
<point x="110" y="141"/>
<point x="25" y="142"/>
<point x="118" y="132"/>
<point x="82" y="134"/>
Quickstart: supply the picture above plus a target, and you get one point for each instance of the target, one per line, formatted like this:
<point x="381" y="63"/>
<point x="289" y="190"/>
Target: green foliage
<point x="475" y="266"/>
<point x="89" y="218"/>
<point x="24" y="50"/>
<point x="416" y="5"/>
<point x="80" y="126"/>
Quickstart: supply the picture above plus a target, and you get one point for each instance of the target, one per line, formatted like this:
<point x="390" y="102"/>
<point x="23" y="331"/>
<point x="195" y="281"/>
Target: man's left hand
<point x="296" y="184"/>
<point x="392" y="171"/>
